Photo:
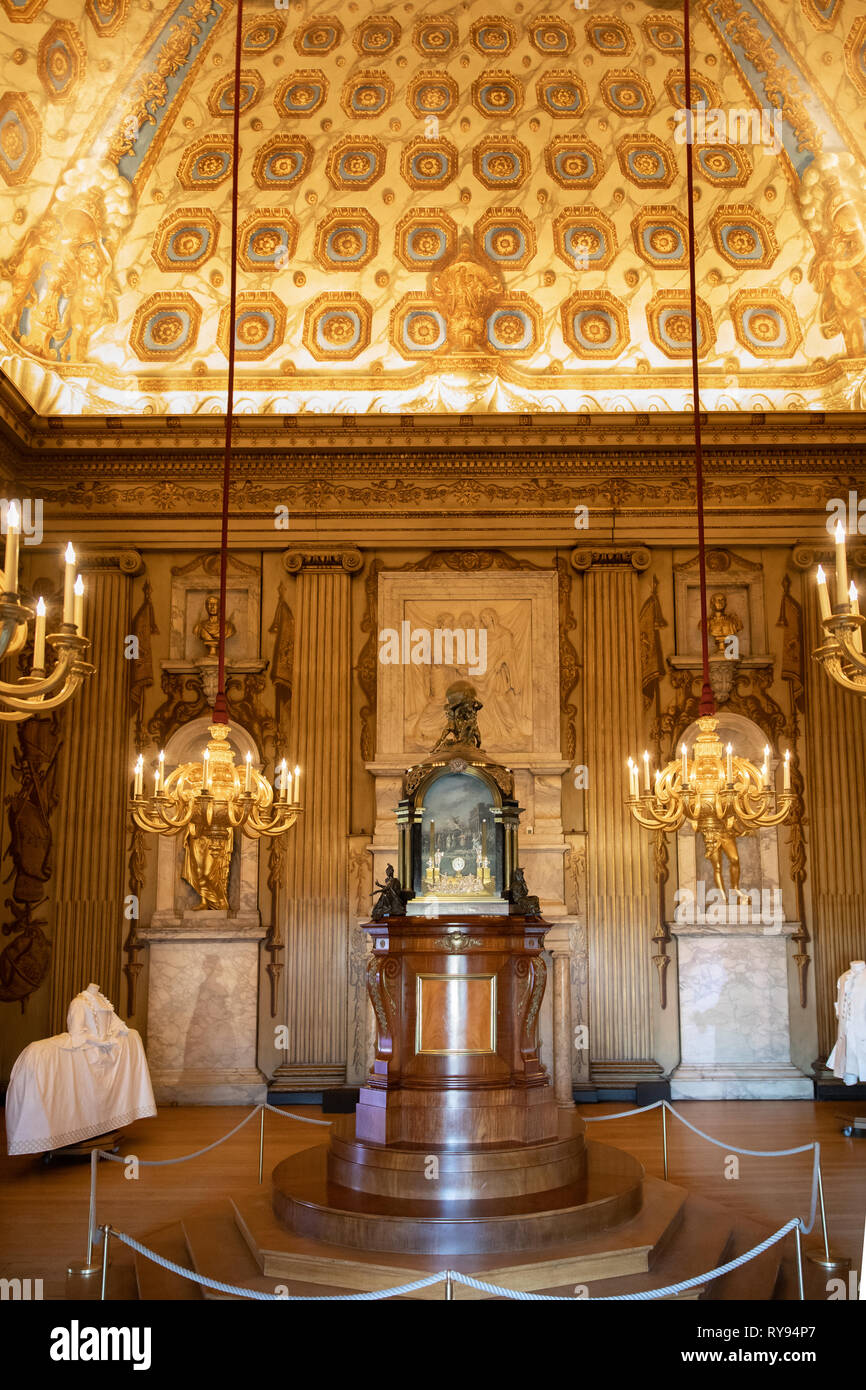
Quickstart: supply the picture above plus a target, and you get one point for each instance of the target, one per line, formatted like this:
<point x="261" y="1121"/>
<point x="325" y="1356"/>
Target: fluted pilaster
<point x="317" y="858"/>
<point x="835" y="728"/>
<point x="619" y="883"/>
<point x="91" y="818"/>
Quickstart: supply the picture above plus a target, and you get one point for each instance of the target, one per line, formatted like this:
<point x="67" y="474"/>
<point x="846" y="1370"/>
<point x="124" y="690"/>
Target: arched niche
<point x="175" y="900"/>
<point x="758" y="853"/>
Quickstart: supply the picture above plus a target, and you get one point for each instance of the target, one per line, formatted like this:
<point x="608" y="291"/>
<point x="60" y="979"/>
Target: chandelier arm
<point x="16" y="641"/>
<point x="36" y="703"/>
<point x="844" y="638"/>
<point x="48" y="683"/>
<point x="836" y="671"/>
<point x="654" y="821"/>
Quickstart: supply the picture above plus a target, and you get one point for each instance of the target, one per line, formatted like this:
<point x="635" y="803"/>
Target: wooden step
<point x="755" y="1281"/>
<point x="156" y="1284"/>
<point x="698" y="1244"/>
<point x="218" y="1250"/>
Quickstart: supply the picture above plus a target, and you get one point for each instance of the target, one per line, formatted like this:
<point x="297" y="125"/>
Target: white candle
<point x="160" y="781"/>
<point x="297" y="784"/>
<point x="139" y="774"/>
<point x="730" y="765"/>
<point x="78" y="608"/>
<point x="156" y="782"/>
<point x="282" y="780"/>
<point x="685" y="753"/>
<point x="630" y="777"/>
<point x="646" y="777"/>
<point x="786" y="784"/>
<point x="248" y="780"/>
<point x="205" y="763"/>
<point x="13" y="524"/>
<point x="823" y="596"/>
<point x="69" y="584"/>
<point x="854" y="598"/>
<point x="766" y="768"/>
<point x="39" y="636"/>
<point x="289" y="796"/>
<point x="841" y="565"/>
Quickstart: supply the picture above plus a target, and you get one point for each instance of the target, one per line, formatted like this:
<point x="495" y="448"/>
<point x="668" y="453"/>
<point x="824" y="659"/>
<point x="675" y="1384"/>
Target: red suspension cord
<point x="220" y="709"/>
<point x="708" y="704"/>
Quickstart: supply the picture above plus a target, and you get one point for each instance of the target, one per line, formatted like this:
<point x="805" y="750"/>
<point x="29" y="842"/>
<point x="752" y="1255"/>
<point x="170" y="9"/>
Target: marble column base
<point x="209" y="1086"/>
<point x="711" y="1082"/>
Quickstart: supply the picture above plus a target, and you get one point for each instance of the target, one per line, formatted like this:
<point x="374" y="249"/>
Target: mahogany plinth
<point x="311" y="1205"/>
<point x="483" y="1173"/>
<point x="456" y="1000"/>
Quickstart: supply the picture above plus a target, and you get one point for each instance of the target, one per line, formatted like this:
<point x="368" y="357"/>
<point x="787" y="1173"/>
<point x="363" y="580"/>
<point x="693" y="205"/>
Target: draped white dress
<point x="81" y="1083"/>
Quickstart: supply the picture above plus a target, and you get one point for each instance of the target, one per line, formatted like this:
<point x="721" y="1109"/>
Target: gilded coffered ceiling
<point x="441" y="208"/>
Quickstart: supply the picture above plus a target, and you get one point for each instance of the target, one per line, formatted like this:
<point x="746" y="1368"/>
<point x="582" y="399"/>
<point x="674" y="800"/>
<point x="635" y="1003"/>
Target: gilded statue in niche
<point x="208" y="628"/>
<point x="207" y="859"/>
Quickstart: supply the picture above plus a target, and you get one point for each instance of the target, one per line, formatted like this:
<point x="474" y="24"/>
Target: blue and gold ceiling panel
<point x="259" y="326"/>
<point x="61" y="61"/>
<point x="726" y="166"/>
<point x="664" y="33"/>
<point x="262" y="34"/>
<point x="318" y="36"/>
<point x="221" y="99"/>
<point x="377" y="35"/>
<point x="646" y="161"/>
<point x="186" y="239"/>
<point x="506" y="237"/>
<point x="356" y="162"/>
<point x="367" y="94"/>
<point x="23" y="11"/>
<point x="561" y="93"/>
<point x="20" y="137"/>
<point x="432" y="94"/>
<point x="627" y="93"/>
<point x="744" y="237"/>
<point x="282" y="162"/>
<point x="610" y="36"/>
<point x="206" y="163"/>
<point x="855" y="54"/>
<point x="670" y="325"/>
<point x="497" y="94"/>
<point x="302" y="93"/>
<point x="493" y="36"/>
<point x="267" y="240"/>
<point x="428" y="164"/>
<point x="424" y="238"/>
<point x="337" y="327"/>
<point x="766" y="323"/>
<point x="584" y="238"/>
<point x="514" y="328"/>
<point x="436" y="38"/>
<point x="501" y="163"/>
<point x="595" y="324"/>
<point x="165" y="327"/>
<point x="106" y="16"/>
<point x="661" y="237"/>
<point x="551" y="36"/>
<point x="347" y="239"/>
<point x="704" y="92"/>
<point x="574" y="163"/>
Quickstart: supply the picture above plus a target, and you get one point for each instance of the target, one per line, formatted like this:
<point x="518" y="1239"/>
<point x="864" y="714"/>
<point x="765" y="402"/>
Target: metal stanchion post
<point x="665" y="1137"/>
<point x="449" y="1288"/>
<point x="106" y="1232"/>
<point x="824" y="1258"/>
<point x="799" y="1264"/>
<point x="89" y="1268"/>
<point x="261" y="1144"/>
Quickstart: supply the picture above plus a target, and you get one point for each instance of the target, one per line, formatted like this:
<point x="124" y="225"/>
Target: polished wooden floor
<point x="43" y="1209"/>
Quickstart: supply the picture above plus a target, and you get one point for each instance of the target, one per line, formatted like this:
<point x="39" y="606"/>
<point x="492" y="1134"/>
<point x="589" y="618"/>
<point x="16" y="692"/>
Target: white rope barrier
<point x="452" y="1275"/>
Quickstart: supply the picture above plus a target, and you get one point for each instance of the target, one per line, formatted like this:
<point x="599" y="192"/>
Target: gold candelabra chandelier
<point x="41" y="690"/>
<point x="213" y="798"/>
<point x="842" y="652"/>
<point x="716" y="793"/>
<point x="719" y="795"/>
<point x="216" y="794"/>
